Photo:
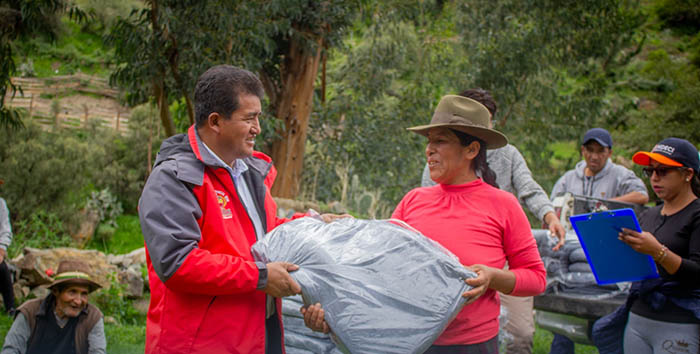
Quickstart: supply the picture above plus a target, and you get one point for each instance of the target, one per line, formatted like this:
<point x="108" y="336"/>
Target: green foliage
<point x="104" y="13"/>
<point x="683" y="15"/>
<point x="125" y="238"/>
<point x="56" y="171"/>
<point x="44" y="171"/>
<point x="106" y="205"/>
<point x="20" y="21"/>
<point x="112" y="302"/>
<point x="125" y="338"/>
<point x="387" y="78"/>
<point x="74" y="50"/>
<point x="39" y="230"/>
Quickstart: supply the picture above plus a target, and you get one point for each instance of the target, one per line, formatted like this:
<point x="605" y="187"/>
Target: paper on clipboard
<point x="612" y="260"/>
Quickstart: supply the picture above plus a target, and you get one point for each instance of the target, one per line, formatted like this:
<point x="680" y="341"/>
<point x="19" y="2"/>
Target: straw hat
<point x="466" y="115"/>
<point x="74" y="272"/>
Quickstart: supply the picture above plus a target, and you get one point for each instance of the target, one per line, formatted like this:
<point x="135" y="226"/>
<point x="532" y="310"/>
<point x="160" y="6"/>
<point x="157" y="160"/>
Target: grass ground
<point x="121" y="339"/>
<point x="126" y="238"/>
<point x="543" y="339"/>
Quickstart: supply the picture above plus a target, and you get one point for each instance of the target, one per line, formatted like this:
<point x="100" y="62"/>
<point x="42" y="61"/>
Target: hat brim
<point x="493" y="139"/>
<point x="644" y="158"/>
<point x="92" y="286"/>
<point x="599" y="141"/>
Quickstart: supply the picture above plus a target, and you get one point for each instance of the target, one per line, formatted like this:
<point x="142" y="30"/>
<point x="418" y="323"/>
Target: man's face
<point x="595" y="155"/>
<point x="71" y="301"/>
<point x="238" y="132"/>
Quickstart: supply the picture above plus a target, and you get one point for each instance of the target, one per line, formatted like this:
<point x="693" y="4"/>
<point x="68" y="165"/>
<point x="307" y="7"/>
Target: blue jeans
<point x="561" y="345"/>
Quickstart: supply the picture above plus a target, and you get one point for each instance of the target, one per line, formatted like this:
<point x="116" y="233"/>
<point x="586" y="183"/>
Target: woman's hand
<point x="480" y="284"/>
<point x="328" y="218"/>
<point x="313" y="318"/>
<point x="643" y="242"/>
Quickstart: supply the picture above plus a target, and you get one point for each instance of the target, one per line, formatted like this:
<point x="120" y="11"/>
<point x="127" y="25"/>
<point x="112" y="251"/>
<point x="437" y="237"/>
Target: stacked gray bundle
<point x="299" y="339"/>
<point x="384" y="288"/>
<point x="568" y="270"/>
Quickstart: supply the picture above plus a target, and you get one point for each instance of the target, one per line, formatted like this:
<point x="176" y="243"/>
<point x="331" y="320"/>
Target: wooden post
<point x="31" y="104"/>
<point x="85" y="108"/>
<point x="119" y="112"/>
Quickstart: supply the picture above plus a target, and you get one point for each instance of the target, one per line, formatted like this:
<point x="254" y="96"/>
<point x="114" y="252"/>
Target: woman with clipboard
<point x="663" y="315"/>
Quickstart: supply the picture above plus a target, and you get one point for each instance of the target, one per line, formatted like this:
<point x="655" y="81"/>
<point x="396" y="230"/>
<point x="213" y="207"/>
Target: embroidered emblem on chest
<point x="223" y="200"/>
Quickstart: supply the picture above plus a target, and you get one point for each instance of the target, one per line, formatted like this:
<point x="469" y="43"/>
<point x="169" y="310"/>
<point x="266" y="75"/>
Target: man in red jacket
<point x="204" y="205"/>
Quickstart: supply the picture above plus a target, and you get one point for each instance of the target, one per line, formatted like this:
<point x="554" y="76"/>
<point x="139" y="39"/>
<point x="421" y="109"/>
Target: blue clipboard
<point x="612" y="260"/>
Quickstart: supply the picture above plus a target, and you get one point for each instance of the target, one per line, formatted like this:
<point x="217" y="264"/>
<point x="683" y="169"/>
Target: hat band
<point x="450" y="118"/>
<point x="72" y="275"/>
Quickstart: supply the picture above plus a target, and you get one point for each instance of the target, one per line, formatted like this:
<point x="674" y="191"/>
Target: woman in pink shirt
<point x="470" y="216"/>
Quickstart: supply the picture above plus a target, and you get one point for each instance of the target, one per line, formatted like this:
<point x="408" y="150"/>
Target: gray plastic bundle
<point x="297" y="337"/>
<point x="568" y="271"/>
<point x="384" y="288"/>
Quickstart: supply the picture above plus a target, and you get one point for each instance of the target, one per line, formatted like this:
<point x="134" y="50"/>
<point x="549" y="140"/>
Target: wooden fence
<point x="70" y="101"/>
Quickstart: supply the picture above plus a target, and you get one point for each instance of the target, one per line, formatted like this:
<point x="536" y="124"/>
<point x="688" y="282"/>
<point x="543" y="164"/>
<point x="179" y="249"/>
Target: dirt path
<point x="73" y="100"/>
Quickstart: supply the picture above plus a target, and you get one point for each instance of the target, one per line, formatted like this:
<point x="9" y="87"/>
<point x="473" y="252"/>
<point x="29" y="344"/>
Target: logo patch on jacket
<point x="223" y="200"/>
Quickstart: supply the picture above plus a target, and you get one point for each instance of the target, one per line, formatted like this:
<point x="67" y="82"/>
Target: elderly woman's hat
<point x="466" y="115"/>
<point x="74" y="272"/>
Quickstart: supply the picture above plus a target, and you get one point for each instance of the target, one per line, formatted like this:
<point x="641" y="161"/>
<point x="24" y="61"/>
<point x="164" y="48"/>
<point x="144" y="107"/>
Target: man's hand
<point x="313" y="318"/>
<point x="555" y="229"/>
<point x="3" y="253"/>
<point x="480" y="284"/>
<point x="329" y="218"/>
<point x="279" y="282"/>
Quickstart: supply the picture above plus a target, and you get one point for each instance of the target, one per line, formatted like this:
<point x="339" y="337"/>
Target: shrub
<point x="40" y="230"/>
<point x="112" y="302"/>
<point x="106" y="205"/>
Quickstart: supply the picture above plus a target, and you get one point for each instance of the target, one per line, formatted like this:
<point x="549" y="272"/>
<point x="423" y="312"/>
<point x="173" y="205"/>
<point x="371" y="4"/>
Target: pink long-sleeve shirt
<point x="480" y="224"/>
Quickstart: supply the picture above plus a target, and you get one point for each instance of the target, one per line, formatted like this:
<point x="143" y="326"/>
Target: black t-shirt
<point x="679" y="232"/>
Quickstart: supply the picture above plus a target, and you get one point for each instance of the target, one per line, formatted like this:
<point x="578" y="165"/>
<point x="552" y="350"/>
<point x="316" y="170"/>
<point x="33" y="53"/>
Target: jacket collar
<point x="259" y="162"/>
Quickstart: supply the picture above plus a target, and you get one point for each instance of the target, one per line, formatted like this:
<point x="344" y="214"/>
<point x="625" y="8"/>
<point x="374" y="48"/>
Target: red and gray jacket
<point x="203" y="279"/>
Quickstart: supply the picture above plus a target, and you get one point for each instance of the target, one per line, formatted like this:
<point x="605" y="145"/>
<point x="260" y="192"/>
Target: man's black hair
<point x="218" y="90"/>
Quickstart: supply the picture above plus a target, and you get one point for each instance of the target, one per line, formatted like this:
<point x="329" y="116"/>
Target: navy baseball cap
<point x="672" y="152"/>
<point x="600" y="135"/>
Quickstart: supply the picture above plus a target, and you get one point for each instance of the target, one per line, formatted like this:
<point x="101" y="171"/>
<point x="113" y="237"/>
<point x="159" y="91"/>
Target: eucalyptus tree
<point x="21" y="19"/>
<point x="163" y="48"/>
<point x="550" y="64"/>
<point x="394" y="66"/>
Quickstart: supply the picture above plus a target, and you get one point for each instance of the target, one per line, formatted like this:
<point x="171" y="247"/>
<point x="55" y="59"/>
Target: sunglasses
<point x="660" y="171"/>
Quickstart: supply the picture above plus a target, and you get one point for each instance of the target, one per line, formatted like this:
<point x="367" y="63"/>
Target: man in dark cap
<point x="63" y="321"/>
<point x="597" y="176"/>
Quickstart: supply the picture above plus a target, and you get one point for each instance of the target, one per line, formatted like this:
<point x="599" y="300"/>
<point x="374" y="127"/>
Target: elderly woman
<point x="63" y="321"/>
<point x="471" y="217"/>
<point x="663" y="315"/>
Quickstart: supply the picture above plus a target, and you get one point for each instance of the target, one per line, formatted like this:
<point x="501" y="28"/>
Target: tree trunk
<point x="159" y="91"/>
<point x="293" y="106"/>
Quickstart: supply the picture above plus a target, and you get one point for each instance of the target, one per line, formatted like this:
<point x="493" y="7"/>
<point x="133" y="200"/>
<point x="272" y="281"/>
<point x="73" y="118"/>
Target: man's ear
<point x="214" y="122"/>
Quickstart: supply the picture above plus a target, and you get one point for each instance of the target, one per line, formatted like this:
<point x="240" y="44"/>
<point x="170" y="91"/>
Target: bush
<point x="106" y="205"/>
<point x="40" y="230"/>
<point x="112" y="302"/>
<point x="57" y="171"/>
<point x="124" y="239"/>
